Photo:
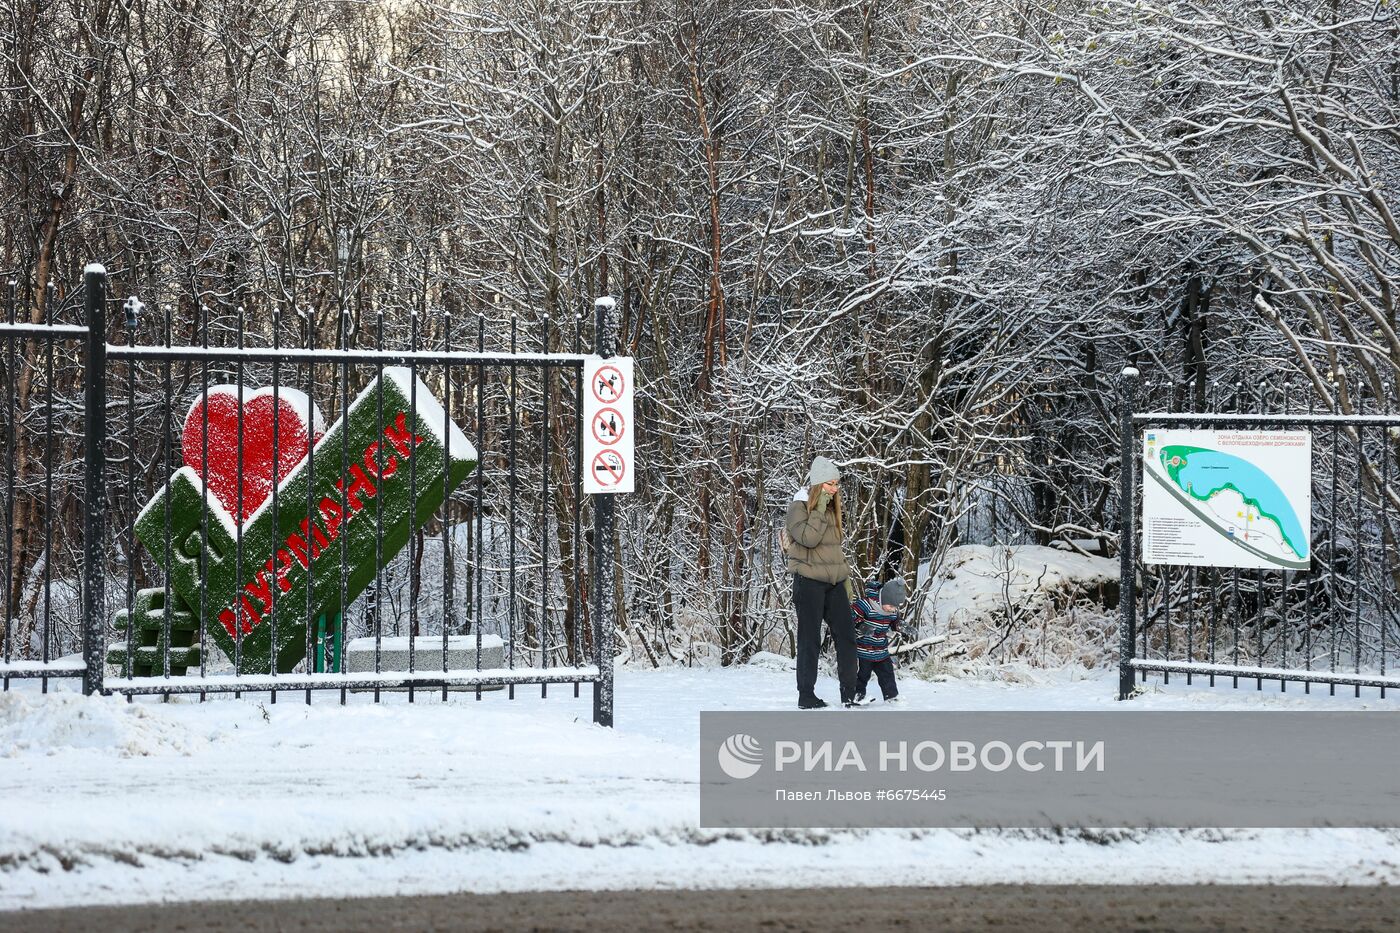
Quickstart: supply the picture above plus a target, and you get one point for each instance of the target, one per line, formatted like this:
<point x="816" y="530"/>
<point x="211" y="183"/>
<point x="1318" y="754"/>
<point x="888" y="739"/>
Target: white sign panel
<point x="608" y="435"/>
<point x="1227" y="499"/>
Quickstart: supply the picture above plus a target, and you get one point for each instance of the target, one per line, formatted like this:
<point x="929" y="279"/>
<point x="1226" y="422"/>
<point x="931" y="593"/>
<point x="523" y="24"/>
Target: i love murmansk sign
<point x="346" y="501"/>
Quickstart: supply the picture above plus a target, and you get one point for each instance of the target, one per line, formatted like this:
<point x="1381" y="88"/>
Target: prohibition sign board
<point x="608" y="442"/>
<point x="608" y="426"/>
<point x="608" y="468"/>
<point x="609" y="384"/>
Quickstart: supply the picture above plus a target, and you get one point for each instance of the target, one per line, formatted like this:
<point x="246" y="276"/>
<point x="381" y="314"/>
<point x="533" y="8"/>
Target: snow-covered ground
<point x="107" y="802"/>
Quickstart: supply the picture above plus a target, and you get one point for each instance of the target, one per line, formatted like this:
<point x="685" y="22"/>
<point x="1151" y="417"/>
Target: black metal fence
<point x="42" y="485"/>
<point x="482" y="573"/>
<point x="1333" y="624"/>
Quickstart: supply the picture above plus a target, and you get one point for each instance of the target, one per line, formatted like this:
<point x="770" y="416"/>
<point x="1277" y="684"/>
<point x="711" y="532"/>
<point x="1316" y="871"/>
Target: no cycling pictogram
<point x="608" y="426"/>
<point x="608" y="384"/>
<point x="608" y="468"/>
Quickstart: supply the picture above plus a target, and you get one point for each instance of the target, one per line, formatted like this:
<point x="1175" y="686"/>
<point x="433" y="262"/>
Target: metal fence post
<point x="1127" y="532"/>
<point x="94" y="487"/>
<point x="603" y="609"/>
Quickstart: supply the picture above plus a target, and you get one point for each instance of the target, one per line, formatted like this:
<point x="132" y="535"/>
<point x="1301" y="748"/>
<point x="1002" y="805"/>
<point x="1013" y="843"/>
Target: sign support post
<point x="603" y="558"/>
<point x="1127" y="590"/>
<point x="95" y="475"/>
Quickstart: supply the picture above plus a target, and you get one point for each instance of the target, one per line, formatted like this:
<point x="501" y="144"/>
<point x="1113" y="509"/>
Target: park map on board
<point x="1227" y="498"/>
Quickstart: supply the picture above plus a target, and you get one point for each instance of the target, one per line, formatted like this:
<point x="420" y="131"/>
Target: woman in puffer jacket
<point x="821" y="588"/>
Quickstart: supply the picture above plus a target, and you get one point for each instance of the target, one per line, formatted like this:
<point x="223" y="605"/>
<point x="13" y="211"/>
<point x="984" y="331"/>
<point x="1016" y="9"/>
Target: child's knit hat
<point x="893" y="593"/>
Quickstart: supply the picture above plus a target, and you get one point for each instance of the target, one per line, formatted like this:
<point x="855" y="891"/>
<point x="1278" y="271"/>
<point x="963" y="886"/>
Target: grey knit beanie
<point x="893" y="593"/>
<point x="822" y="471"/>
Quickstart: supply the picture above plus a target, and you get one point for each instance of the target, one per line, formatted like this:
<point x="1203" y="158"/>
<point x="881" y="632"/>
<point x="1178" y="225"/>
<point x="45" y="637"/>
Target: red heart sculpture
<point x="298" y="426"/>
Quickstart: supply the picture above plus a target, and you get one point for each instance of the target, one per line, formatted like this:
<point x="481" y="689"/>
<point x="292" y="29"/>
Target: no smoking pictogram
<point x="609" y="468"/>
<point x="608" y="384"/>
<point x="608" y="426"/>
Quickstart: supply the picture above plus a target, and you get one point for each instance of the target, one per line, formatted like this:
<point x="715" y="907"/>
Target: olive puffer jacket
<point x="815" y="548"/>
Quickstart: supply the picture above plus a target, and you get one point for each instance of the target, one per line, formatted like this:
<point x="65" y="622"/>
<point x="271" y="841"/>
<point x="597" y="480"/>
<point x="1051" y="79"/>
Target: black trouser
<point x="816" y="601"/>
<point x="884" y="673"/>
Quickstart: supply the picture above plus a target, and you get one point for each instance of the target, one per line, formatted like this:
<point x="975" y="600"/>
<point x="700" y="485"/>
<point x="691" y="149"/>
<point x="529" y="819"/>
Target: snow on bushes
<point x="1017" y="606"/>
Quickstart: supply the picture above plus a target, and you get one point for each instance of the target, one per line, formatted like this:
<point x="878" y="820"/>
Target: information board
<point x="1227" y="498"/>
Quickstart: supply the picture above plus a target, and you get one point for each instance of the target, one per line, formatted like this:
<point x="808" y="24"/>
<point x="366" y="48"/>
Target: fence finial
<point x="133" y="308"/>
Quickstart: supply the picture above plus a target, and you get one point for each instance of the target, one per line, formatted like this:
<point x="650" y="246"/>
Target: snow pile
<point x="1020" y="604"/>
<point x="34" y="725"/>
<point x="769" y="661"/>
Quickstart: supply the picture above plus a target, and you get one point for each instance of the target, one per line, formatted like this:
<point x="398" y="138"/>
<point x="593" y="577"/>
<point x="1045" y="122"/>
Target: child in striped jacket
<point x="876" y="614"/>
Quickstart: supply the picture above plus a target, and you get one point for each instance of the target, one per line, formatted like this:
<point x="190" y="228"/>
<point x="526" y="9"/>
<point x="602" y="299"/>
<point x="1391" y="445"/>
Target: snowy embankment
<point x="106" y="802"/>
<point x="1004" y="606"/>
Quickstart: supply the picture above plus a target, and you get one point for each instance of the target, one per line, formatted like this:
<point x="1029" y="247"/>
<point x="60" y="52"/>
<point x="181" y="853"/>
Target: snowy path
<point x="105" y="802"/>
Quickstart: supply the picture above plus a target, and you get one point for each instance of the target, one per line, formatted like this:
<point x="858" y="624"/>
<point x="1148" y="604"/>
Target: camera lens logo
<point x="740" y="756"/>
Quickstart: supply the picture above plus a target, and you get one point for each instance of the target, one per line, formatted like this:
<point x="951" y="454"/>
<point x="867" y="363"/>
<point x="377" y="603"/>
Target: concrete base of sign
<point x="427" y="656"/>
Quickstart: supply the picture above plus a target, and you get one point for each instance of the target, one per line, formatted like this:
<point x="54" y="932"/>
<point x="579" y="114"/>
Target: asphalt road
<point x="1045" y="909"/>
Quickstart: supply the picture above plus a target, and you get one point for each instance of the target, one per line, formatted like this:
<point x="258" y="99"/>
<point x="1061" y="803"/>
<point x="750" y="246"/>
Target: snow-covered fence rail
<point x="249" y="507"/>
<point x="1324" y="609"/>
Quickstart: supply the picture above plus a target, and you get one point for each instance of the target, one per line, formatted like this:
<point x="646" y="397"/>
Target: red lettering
<point x="331" y="515"/>
<point x="318" y="531"/>
<point x="399" y="435"/>
<point x="228" y="617"/>
<point x="319" y="539"/>
<point x="372" y="455"/>
<point x="249" y="613"/>
<point x="296" y="544"/>
<point x="359" y="484"/>
<point x="260" y="588"/>
<point x="285" y="563"/>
